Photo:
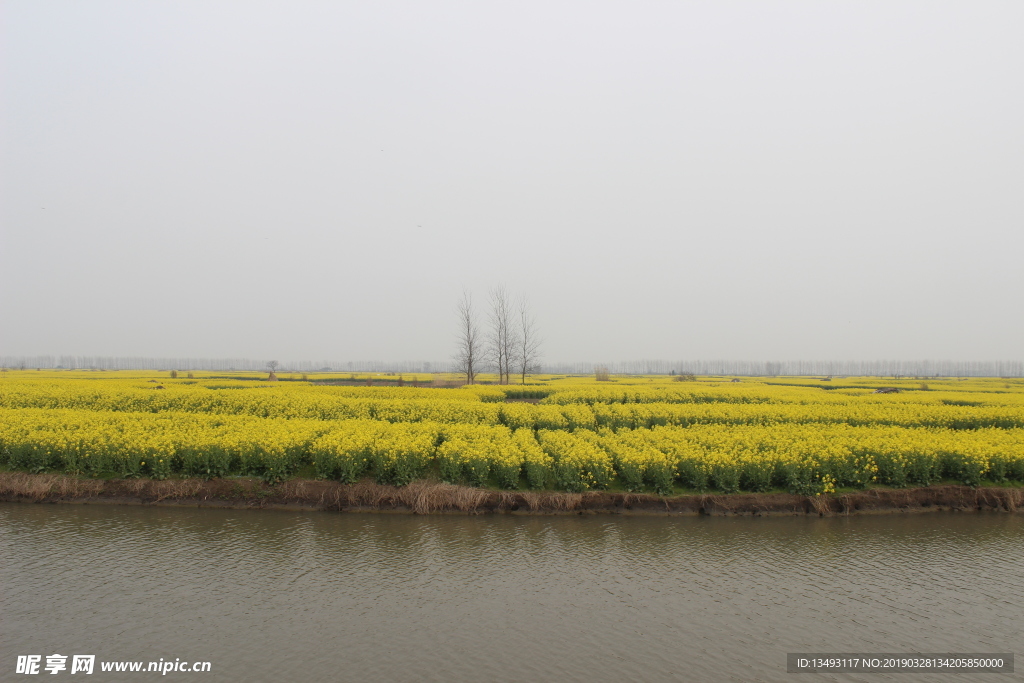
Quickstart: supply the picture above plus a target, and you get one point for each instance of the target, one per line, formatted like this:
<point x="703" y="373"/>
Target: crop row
<point x="465" y="406"/>
<point x="806" y="458"/>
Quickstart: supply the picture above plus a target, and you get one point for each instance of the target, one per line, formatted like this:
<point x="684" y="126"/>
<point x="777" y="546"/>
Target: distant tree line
<point x="878" y="368"/>
<point x="216" y="364"/>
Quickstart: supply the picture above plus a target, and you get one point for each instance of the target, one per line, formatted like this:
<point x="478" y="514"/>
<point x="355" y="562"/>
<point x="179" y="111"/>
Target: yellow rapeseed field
<point x="565" y="433"/>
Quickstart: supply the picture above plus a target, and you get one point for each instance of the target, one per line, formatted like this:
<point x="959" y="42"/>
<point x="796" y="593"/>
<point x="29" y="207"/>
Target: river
<point x="289" y="596"/>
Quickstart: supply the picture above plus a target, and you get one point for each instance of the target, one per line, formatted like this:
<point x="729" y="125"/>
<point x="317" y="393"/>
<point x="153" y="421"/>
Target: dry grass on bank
<point x="427" y="497"/>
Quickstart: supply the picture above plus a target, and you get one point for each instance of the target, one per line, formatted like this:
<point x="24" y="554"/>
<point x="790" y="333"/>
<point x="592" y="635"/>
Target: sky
<point x="323" y="180"/>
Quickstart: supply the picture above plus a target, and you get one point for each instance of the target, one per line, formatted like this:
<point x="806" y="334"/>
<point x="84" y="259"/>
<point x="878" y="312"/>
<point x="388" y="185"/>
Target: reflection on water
<point x="269" y="596"/>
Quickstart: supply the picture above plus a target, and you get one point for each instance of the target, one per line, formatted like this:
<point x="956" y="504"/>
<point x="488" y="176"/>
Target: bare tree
<point x="528" y="341"/>
<point x="502" y="339"/>
<point x="469" y="344"/>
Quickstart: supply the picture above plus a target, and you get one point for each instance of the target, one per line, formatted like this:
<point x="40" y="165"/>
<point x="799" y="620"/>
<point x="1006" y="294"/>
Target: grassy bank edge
<point x="431" y="497"/>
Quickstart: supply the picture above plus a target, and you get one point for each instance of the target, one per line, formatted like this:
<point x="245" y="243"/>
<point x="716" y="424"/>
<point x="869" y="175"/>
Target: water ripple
<point x="284" y="596"/>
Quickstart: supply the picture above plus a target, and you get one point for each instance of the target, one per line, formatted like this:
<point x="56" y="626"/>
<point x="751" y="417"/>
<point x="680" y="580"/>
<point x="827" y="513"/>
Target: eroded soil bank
<point x="426" y="497"/>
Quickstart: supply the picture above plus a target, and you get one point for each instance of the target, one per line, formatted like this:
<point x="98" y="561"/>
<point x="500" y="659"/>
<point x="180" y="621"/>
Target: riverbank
<point x="426" y="497"/>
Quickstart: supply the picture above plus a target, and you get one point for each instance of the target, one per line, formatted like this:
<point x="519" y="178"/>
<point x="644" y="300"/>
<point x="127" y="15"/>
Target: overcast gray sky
<point x="663" y="179"/>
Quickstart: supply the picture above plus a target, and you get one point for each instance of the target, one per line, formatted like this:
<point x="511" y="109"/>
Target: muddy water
<point x="281" y="596"/>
